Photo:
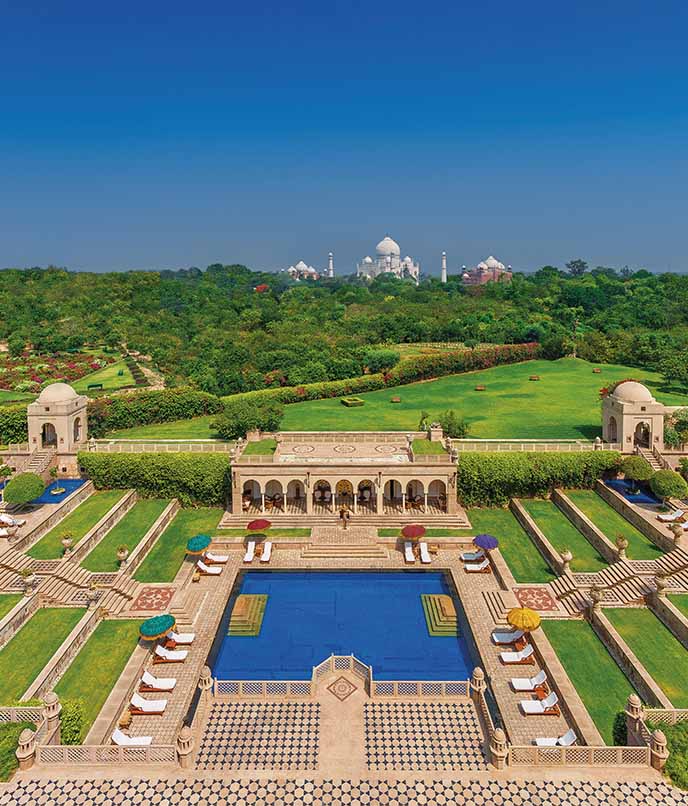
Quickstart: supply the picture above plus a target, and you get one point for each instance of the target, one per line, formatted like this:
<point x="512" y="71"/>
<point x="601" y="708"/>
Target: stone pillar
<point x="678" y="534"/>
<point x="634" y="716"/>
<point x="661" y="586"/>
<point x="403" y="502"/>
<point x="436" y="433"/>
<point x="478" y="684"/>
<point x="659" y="753"/>
<point x="185" y="745"/>
<point x="51" y="710"/>
<point x="379" y="492"/>
<point x="26" y="749"/>
<point x="425" y="504"/>
<point x="498" y="749"/>
<point x="262" y="503"/>
<point x="566" y="558"/>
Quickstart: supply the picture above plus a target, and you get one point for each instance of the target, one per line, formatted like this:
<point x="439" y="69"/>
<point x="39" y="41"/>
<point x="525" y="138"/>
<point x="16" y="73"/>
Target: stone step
<point x="563" y="586"/>
<point x="324" y="551"/>
<point x="498" y="604"/>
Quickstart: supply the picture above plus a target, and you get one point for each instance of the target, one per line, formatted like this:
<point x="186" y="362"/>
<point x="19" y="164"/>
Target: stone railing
<point x="435" y="689"/>
<point x="162" y="522"/>
<point x="94" y="535"/>
<point x="70" y="503"/>
<point x="18" y="447"/>
<point x="17" y="617"/>
<point x="529" y="445"/>
<point x="257" y="459"/>
<point x="532" y="756"/>
<point x="160" y="446"/>
<point x="233" y="689"/>
<point x="665" y="716"/>
<point x="430" y="458"/>
<point x="22" y="713"/>
<point x="105" y="754"/>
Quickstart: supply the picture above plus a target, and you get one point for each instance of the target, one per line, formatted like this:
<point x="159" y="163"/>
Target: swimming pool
<point x="69" y="485"/>
<point x="377" y="616"/>
<point x="642" y="496"/>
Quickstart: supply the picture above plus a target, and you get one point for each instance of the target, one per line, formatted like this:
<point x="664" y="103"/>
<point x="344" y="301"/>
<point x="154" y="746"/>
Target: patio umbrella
<point x="485" y="542"/>
<point x="259" y="524"/>
<point x="157" y="627"/>
<point x="413" y="531"/>
<point x="523" y="618"/>
<point x="198" y="544"/>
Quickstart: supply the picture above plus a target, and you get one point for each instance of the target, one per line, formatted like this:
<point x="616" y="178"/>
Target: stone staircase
<point x="13" y="560"/>
<point x="120" y="595"/>
<point x="569" y="595"/>
<point x="344" y="551"/>
<point x="186" y="611"/>
<point x="39" y="461"/>
<point x="67" y="585"/>
<point x="674" y="565"/>
<point x="650" y="458"/>
<point x="498" y="604"/>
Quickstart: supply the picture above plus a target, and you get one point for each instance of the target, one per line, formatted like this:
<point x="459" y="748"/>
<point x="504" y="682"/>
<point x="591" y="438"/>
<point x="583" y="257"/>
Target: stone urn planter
<point x="66" y="541"/>
<point x="122" y="554"/>
<point x="621" y="546"/>
<point x="29" y="580"/>
<point x="566" y="557"/>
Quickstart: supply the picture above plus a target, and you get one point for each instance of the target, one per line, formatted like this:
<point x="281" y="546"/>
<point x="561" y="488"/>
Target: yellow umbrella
<point x="523" y="618"/>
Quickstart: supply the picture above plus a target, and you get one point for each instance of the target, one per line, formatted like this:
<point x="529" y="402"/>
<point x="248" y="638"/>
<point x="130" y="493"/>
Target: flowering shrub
<point x="27" y="372"/>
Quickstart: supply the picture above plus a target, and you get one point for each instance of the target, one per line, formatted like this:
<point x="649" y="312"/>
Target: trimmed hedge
<point x="24" y="487"/>
<point x="72" y="721"/>
<point x="491" y="479"/>
<point x="13" y="426"/>
<point x="193" y="478"/>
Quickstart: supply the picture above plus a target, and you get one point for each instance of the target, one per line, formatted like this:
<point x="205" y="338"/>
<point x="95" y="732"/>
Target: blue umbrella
<point x="485" y="542"/>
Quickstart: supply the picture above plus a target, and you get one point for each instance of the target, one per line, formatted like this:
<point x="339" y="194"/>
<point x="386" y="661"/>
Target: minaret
<point x="444" y="267"/>
<point x="330" y="265"/>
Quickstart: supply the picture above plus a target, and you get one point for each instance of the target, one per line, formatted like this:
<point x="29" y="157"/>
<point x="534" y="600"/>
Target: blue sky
<point x="163" y="135"/>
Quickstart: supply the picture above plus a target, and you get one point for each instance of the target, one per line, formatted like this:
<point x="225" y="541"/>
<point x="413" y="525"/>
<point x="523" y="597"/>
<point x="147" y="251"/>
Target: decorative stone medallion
<point x="342" y="688"/>
<point x="303" y="449"/>
<point x="344" y="449"/>
<point x="387" y="449"/>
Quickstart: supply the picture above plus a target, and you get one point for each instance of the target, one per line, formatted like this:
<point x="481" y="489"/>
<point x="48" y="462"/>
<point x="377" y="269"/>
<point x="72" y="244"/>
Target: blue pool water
<point x="69" y="486"/>
<point x="643" y="496"/>
<point x="377" y="616"/>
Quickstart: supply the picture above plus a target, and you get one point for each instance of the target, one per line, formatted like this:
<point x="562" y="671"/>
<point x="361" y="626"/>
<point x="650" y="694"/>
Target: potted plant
<point x="67" y="538"/>
<point x="28" y="578"/>
<point x="122" y="553"/>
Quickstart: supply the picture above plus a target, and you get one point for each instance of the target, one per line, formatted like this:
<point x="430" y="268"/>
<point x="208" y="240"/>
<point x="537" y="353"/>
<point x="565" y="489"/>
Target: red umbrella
<point x="258" y="525"/>
<point x="413" y="530"/>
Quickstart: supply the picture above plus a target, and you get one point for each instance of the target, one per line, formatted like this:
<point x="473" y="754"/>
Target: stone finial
<point x="52" y="709"/>
<point x="596" y="594"/>
<point x="185" y="746"/>
<point x="634" y="706"/>
<point x="26" y="749"/>
<point x="659" y="752"/>
<point x="498" y="749"/>
<point x="478" y="683"/>
<point x="677" y="529"/>
<point x="566" y="558"/>
<point x="661" y="584"/>
<point x="205" y="681"/>
<point x="621" y="546"/>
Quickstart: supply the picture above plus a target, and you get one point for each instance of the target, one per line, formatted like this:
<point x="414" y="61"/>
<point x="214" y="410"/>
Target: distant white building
<point x="490" y="270"/>
<point x="302" y="271"/>
<point x="388" y="260"/>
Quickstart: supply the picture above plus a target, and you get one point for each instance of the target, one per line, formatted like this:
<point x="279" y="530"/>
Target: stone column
<point x="185" y="745"/>
<point x="403" y="502"/>
<point x="498" y="749"/>
<point x="659" y="753"/>
<point x="51" y="710"/>
<point x="26" y="749"/>
<point x="379" y="493"/>
<point x="478" y="684"/>
<point x="634" y="716"/>
<point x="425" y="504"/>
<point x="262" y="503"/>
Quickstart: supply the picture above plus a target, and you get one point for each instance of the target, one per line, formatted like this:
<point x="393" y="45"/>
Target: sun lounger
<point x="425" y="554"/>
<point x="530" y="683"/>
<point x="8" y="520"/>
<point x="671" y="517"/>
<point x="4" y="532"/>
<point x="140" y="706"/>
<point x="546" y="707"/>
<point x="210" y="558"/>
<point x="163" y="655"/>
<point x="565" y="740"/>
<point x="472" y="556"/>
<point x="184" y="638"/>
<point x="408" y="552"/>
<point x="209" y="570"/>
<point x="120" y="738"/>
<point x="267" y="552"/>
<point x="250" y="551"/>
<point x="478" y="568"/>
<point x="150" y="683"/>
<point x="524" y="657"/>
<point x="507" y="637"/>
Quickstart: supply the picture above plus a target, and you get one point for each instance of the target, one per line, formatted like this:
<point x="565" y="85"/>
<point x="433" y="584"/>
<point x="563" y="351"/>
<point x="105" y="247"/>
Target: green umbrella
<point x="157" y="627"/>
<point x="198" y="544"/>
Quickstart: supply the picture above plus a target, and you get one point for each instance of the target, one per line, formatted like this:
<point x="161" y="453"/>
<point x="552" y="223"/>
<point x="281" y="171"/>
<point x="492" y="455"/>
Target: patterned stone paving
<point x="536" y="598"/>
<point x="356" y="792"/>
<point x="342" y="688"/>
<point x="423" y="736"/>
<point x="151" y="598"/>
<point x="261" y="736"/>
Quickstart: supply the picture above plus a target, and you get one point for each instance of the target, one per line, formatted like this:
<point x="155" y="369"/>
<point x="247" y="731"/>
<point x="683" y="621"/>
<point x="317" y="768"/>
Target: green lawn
<point x="7" y="396"/>
<point x="519" y="551"/>
<point x="285" y="531"/>
<point x="600" y="683"/>
<point x="25" y="654"/>
<point x="9" y="737"/>
<point x="92" y="675"/>
<point x="612" y="524"/>
<point x="196" y="428"/>
<point x="79" y="521"/>
<point x="128" y="532"/>
<point x="263" y="447"/>
<point x="680" y="601"/>
<point x="423" y="447"/>
<point x="661" y="654"/>
<point x="7" y="602"/>
<point x="166" y="556"/>
<point x="562" y="534"/>
<point x="109" y="376"/>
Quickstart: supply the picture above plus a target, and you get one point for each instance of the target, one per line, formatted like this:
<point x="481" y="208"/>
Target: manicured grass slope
<point x="23" y="657"/>
<point x="680" y="601"/>
<point x="128" y="532"/>
<point x="600" y="683"/>
<point x="612" y="524"/>
<point x="660" y="653"/>
<point x="7" y="602"/>
<point x="93" y="673"/>
<point x="562" y="534"/>
<point x="167" y="554"/>
<point x="195" y="428"/>
<point x="79" y="521"/>
<point x="108" y="376"/>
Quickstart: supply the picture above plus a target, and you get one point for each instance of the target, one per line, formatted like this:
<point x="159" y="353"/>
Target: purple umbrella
<point x="485" y="542"/>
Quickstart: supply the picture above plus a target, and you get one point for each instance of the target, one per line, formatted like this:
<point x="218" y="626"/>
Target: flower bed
<point x="30" y="371"/>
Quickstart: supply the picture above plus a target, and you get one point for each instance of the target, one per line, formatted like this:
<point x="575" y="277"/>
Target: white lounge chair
<point x="163" y="655"/>
<point x="250" y="551"/>
<point x="546" y="707"/>
<point x="267" y="552"/>
<point x="425" y="554"/>
<point x="218" y="559"/>
<point x="670" y="517"/>
<point x="522" y="657"/>
<point x="506" y="637"/>
<point x="472" y="556"/>
<point x="120" y="738"/>
<point x="529" y="683"/>
<point x="184" y="638"/>
<point x="150" y="683"/>
<point x="565" y="740"/>
<point x="210" y="570"/>
<point x="8" y="520"/>
<point x="408" y="552"/>
<point x="478" y="568"/>
<point x="140" y="705"/>
<point x="4" y="532"/>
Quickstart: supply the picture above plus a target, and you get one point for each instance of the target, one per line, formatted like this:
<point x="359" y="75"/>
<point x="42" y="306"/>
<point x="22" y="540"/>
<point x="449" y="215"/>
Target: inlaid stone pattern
<point x="423" y="736"/>
<point x="342" y="688"/>
<point x="331" y="792"/>
<point x="153" y="598"/>
<point x="260" y="736"/>
<point x="536" y="599"/>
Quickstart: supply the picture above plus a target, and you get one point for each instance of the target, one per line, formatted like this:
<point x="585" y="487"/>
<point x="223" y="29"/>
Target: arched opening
<point x="642" y="435"/>
<point x="296" y="497"/>
<point x="437" y="496"/>
<point x="250" y="497"/>
<point x="322" y="496"/>
<point x="48" y="436"/>
<point x="391" y="496"/>
<point x="415" y="495"/>
<point x="274" y="497"/>
<point x="612" y="430"/>
<point x="344" y="494"/>
<point x="77" y="430"/>
<point x="367" y="500"/>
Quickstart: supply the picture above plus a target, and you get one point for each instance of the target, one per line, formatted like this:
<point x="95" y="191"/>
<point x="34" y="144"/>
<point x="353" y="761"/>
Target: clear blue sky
<point x="164" y="135"/>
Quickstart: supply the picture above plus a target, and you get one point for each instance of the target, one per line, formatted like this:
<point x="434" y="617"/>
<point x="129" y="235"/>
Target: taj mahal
<point x="388" y="261"/>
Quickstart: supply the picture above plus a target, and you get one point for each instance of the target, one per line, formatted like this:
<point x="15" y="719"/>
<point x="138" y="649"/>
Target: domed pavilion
<point x="632" y="418"/>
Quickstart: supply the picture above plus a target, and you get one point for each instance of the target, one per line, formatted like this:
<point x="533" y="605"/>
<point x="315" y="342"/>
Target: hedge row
<point x="491" y="479"/>
<point x="13" y="424"/>
<point x="193" y="478"/>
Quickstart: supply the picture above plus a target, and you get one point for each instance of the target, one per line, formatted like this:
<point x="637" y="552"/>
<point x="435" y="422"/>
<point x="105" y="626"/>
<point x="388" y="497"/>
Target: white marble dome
<point x="57" y="393"/>
<point x="367" y="259"/>
<point x="493" y="263"/>
<point x="633" y="392"/>
<point x="388" y="246"/>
